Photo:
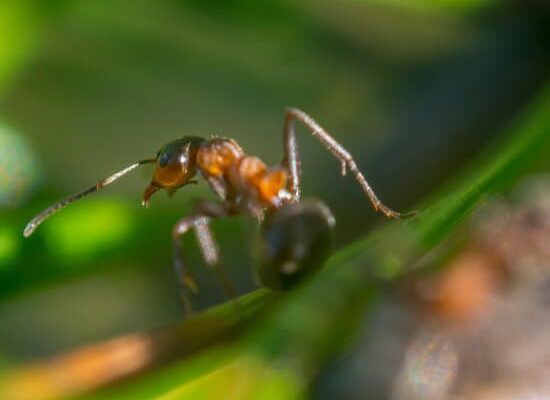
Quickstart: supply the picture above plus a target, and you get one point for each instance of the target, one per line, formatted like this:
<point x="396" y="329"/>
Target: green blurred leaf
<point x="451" y="5"/>
<point x="104" y="223"/>
<point x="9" y="245"/>
<point x="23" y="24"/>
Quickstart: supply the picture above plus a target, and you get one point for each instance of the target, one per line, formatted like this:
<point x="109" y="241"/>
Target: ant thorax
<point x="247" y="181"/>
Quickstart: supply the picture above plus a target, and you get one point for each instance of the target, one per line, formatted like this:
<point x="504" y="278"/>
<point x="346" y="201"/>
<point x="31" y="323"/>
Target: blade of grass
<point x="100" y="364"/>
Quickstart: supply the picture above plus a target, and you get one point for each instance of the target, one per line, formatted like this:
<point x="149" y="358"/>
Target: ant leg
<point x="214" y="209"/>
<point x="211" y="255"/>
<point x="186" y="281"/>
<point x="291" y="159"/>
<point x="210" y="252"/>
<point x="209" y="248"/>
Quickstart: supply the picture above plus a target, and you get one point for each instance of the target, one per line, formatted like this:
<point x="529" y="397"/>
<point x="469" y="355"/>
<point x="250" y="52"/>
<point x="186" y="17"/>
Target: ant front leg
<point x="291" y="159"/>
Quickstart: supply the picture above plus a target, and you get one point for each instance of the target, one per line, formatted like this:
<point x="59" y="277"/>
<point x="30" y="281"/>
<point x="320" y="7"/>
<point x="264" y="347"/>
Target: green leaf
<point x="431" y="5"/>
<point x="23" y="24"/>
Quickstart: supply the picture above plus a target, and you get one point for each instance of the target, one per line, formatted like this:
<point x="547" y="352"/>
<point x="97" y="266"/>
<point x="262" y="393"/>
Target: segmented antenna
<point x="41" y="217"/>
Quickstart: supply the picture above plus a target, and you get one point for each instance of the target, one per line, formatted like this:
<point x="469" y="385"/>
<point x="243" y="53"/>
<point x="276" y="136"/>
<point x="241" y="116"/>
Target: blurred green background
<point x="412" y="88"/>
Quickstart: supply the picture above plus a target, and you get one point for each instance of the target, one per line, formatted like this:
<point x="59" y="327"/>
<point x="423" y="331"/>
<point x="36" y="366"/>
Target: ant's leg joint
<point x="293" y="111"/>
<point x="344" y="168"/>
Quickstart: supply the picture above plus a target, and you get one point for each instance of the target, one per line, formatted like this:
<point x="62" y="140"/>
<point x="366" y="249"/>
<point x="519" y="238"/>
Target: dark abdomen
<point x="296" y="241"/>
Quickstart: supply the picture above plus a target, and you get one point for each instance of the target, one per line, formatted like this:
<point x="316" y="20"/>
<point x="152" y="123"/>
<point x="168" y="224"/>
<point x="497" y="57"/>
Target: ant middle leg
<point x="291" y="158"/>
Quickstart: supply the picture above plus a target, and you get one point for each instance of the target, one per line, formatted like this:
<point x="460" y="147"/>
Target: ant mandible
<point x="296" y="235"/>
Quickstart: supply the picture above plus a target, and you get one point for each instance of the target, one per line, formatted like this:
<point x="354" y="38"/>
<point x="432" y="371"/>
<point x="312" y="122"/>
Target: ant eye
<point x="163" y="159"/>
<point x="170" y="153"/>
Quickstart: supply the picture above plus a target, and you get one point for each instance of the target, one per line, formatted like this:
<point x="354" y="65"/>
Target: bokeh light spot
<point x="18" y="167"/>
<point x="431" y="365"/>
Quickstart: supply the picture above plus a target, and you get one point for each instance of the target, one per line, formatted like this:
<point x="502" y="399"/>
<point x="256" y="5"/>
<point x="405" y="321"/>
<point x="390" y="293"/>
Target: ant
<point x="296" y="234"/>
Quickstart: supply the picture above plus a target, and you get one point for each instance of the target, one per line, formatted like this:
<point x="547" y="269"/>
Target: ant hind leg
<point x="292" y="159"/>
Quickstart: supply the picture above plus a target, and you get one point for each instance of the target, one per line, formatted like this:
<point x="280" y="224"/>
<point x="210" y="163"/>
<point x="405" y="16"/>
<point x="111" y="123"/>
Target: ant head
<point x="175" y="165"/>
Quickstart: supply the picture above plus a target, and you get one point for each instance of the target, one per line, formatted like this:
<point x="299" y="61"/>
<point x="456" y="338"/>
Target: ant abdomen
<point x="296" y="241"/>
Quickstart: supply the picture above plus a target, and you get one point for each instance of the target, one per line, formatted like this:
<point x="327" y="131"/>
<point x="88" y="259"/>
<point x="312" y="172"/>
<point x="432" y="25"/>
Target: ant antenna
<point x="41" y="217"/>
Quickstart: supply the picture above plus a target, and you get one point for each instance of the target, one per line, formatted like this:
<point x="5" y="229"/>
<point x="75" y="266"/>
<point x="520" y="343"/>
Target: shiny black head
<point x="175" y="165"/>
<point x="296" y="241"/>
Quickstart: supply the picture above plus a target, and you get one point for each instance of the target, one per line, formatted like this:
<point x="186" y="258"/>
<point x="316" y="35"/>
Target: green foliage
<point x="106" y="224"/>
<point x="23" y="25"/>
<point x="453" y="5"/>
<point x="8" y="244"/>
